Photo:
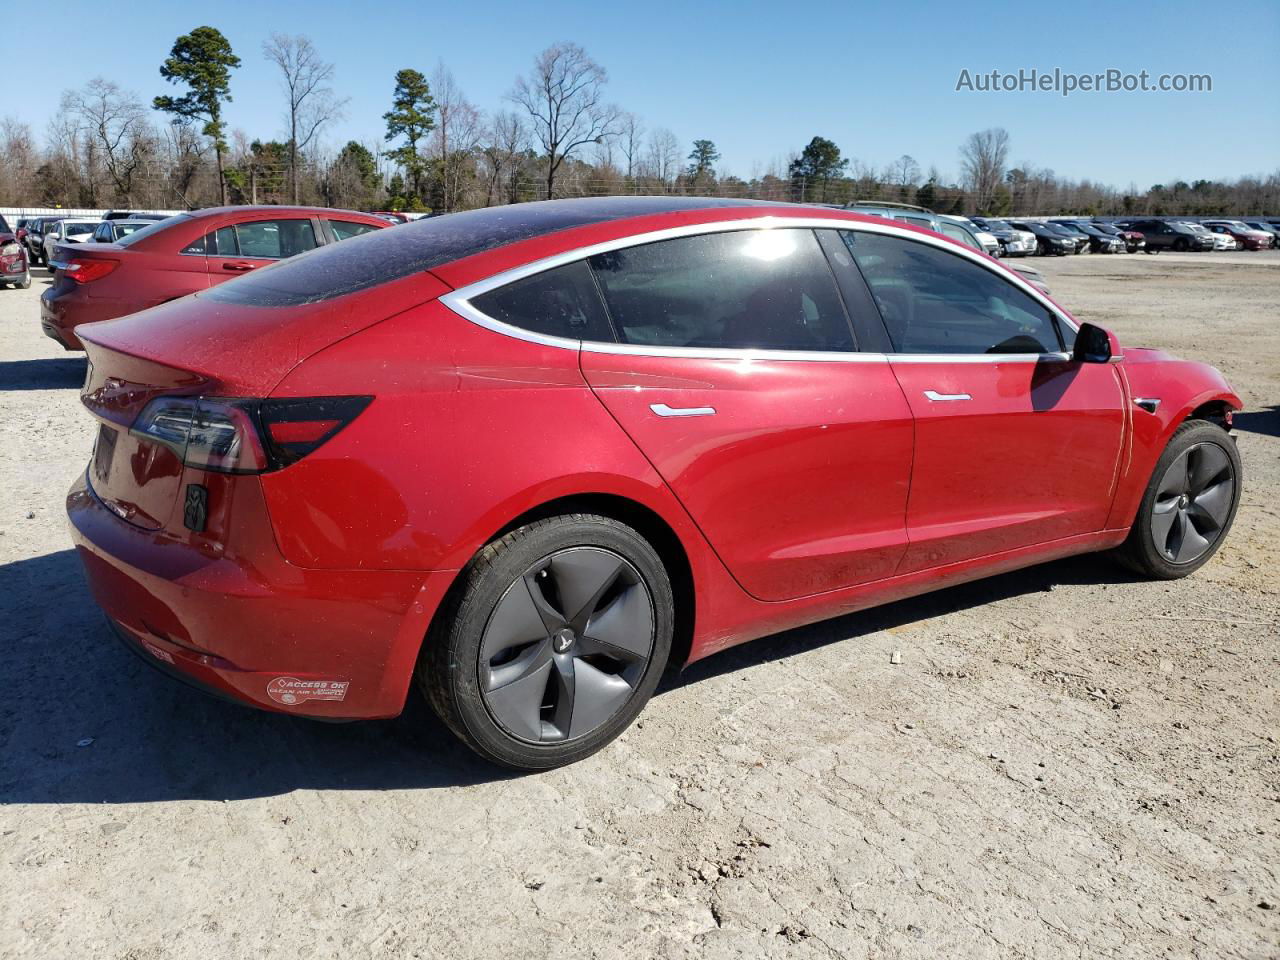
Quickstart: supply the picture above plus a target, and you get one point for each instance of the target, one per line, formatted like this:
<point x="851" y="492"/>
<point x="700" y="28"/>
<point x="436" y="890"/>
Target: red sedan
<point x="532" y="455"/>
<point x="1244" y="236"/>
<point x="181" y="255"/>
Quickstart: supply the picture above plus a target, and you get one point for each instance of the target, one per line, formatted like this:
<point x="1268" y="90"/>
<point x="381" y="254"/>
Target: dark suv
<point x="34" y="239"/>
<point x="1163" y="235"/>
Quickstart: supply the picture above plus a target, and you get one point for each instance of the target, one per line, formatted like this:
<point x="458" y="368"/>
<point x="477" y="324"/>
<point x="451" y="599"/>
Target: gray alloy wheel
<point x="551" y="641"/>
<point x="1193" y="503"/>
<point x="566" y="646"/>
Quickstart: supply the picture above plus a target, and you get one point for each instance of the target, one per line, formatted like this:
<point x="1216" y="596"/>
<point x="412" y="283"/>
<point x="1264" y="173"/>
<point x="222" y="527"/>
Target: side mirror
<point x="1094" y="345"/>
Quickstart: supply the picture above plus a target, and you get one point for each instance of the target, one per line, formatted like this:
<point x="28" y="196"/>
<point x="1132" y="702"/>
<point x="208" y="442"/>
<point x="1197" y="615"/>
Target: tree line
<point x="556" y="135"/>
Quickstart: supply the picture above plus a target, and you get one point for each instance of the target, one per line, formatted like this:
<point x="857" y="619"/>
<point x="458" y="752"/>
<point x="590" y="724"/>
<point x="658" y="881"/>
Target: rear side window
<point x="742" y="289"/>
<point x="560" y="303"/>
<point x="346" y="229"/>
<point x="933" y="301"/>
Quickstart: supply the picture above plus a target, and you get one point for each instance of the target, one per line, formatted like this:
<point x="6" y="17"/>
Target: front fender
<point x="1182" y="387"/>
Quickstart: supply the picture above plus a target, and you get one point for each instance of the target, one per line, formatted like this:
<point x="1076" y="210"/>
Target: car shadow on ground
<point x="48" y="374"/>
<point x="1265" y="421"/>
<point x="86" y="721"/>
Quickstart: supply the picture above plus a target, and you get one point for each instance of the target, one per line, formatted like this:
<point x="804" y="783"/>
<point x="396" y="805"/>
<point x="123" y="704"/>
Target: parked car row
<point x="39" y="235"/>
<point x="1201" y="235"/>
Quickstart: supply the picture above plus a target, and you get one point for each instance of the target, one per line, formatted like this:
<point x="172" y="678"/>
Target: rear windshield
<point x="385" y="255"/>
<point x="153" y="228"/>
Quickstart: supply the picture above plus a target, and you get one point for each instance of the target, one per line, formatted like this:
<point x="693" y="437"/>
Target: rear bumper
<point x="255" y="629"/>
<point x="63" y="308"/>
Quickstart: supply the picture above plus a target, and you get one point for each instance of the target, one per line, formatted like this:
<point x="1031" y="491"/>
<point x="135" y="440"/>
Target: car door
<point x="237" y="248"/>
<point x="736" y="375"/>
<point x="1015" y="443"/>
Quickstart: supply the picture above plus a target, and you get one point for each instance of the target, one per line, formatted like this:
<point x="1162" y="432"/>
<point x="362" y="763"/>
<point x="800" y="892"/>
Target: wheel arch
<point x="646" y="521"/>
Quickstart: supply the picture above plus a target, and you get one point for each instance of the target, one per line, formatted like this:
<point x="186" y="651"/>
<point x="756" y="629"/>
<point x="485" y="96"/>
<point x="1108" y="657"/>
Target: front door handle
<point x="934" y="395"/>
<point x="237" y="266"/>
<point x="662" y="410"/>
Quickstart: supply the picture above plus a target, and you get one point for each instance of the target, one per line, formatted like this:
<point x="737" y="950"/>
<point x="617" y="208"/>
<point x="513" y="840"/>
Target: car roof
<point x="274" y="210"/>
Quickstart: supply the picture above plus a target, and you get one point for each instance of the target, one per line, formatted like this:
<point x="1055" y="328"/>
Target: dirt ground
<point x="1065" y="763"/>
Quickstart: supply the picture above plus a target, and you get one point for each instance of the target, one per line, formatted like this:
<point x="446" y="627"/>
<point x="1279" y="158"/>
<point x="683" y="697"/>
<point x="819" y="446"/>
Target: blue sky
<point x="758" y="78"/>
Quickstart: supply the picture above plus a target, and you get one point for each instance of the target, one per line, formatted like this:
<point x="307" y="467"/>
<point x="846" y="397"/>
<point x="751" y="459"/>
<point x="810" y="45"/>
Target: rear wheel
<point x="1189" y="505"/>
<point x="553" y="641"/>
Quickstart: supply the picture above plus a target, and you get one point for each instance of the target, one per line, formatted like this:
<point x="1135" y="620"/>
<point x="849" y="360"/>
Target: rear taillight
<point x="239" y="435"/>
<point x="86" y="271"/>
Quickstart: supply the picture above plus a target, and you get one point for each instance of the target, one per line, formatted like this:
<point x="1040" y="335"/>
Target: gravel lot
<point x="1066" y="762"/>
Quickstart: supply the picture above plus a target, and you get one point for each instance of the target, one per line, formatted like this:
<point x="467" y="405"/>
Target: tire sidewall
<point x="1142" y="543"/>
<point x="501" y="565"/>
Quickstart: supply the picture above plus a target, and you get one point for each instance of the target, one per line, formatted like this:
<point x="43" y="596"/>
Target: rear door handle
<point x="934" y="395"/>
<point x="662" y="410"/>
<point x="238" y="266"/>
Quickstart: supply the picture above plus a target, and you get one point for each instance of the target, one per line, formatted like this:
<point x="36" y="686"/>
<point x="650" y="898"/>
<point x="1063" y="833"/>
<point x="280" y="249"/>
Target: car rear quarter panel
<point x="468" y="430"/>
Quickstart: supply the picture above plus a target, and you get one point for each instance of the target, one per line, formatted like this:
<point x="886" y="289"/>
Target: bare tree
<point x="17" y="162"/>
<point x="564" y="97"/>
<point x="509" y="140"/>
<point x="629" y="138"/>
<point x="982" y="159"/>
<point x="312" y="103"/>
<point x="112" y="126"/>
<point x="663" y="156"/>
<point x="904" y="172"/>
<point x="456" y="135"/>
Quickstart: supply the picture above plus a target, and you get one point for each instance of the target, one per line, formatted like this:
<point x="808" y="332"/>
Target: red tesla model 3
<point x="530" y="455"/>
<point x="180" y="255"/>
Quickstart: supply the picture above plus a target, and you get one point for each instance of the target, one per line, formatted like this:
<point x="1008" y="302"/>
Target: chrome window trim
<point x="459" y="300"/>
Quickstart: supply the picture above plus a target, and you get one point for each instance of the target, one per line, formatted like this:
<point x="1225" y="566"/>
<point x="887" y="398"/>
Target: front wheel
<point x="1189" y="505"/>
<point x="553" y="642"/>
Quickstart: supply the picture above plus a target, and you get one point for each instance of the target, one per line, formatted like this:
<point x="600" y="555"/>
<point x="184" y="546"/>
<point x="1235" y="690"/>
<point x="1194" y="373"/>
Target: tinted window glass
<point x="765" y="289"/>
<point x="933" y="301"/>
<point x="346" y="229"/>
<point x="562" y="303"/>
<point x="274" y="239"/>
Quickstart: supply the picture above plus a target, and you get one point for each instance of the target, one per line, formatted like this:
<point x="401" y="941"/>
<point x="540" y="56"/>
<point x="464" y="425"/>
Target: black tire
<point x="451" y="668"/>
<point x="1141" y="552"/>
<point x="1180" y="246"/>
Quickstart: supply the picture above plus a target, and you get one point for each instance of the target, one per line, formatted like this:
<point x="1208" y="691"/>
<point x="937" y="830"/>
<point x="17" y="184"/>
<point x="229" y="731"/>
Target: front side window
<point x="560" y="303"/>
<point x="741" y="289"/>
<point x="933" y="301"/>
<point x="274" y="239"/>
<point x="959" y="234"/>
